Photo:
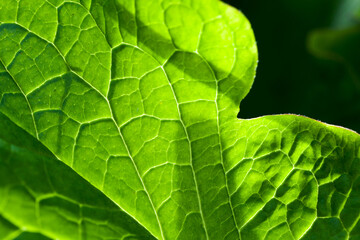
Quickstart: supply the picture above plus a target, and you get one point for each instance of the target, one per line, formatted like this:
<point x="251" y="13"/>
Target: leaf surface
<point x="39" y="194"/>
<point x="140" y="99"/>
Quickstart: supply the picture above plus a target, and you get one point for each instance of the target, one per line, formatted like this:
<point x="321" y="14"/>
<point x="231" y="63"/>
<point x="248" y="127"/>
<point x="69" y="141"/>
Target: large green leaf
<point x="140" y="99"/>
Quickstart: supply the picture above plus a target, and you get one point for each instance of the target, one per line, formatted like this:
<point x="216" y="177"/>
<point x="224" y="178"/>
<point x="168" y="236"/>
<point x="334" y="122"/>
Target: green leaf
<point x="31" y="236"/>
<point x="42" y="195"/>
<point x="297" y="178"/>
<point x="140" y="99"/>
<point x="7" y="229"/>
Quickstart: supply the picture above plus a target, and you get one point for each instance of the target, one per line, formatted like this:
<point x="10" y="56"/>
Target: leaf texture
<point x="42" y="198"/>
<point x="140" y="99"/>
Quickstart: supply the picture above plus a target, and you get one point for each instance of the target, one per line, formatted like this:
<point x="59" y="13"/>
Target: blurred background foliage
<point x="309" y="59"/>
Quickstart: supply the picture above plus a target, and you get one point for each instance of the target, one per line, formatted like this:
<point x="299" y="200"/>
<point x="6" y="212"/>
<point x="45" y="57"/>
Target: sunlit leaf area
<point x="143" y="119"/>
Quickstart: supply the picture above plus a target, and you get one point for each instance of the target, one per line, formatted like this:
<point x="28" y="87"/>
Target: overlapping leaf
<point x="41" y="198"/>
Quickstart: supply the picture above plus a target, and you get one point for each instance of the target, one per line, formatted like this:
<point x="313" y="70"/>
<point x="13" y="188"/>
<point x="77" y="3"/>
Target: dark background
<point x="309" y="59"/>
